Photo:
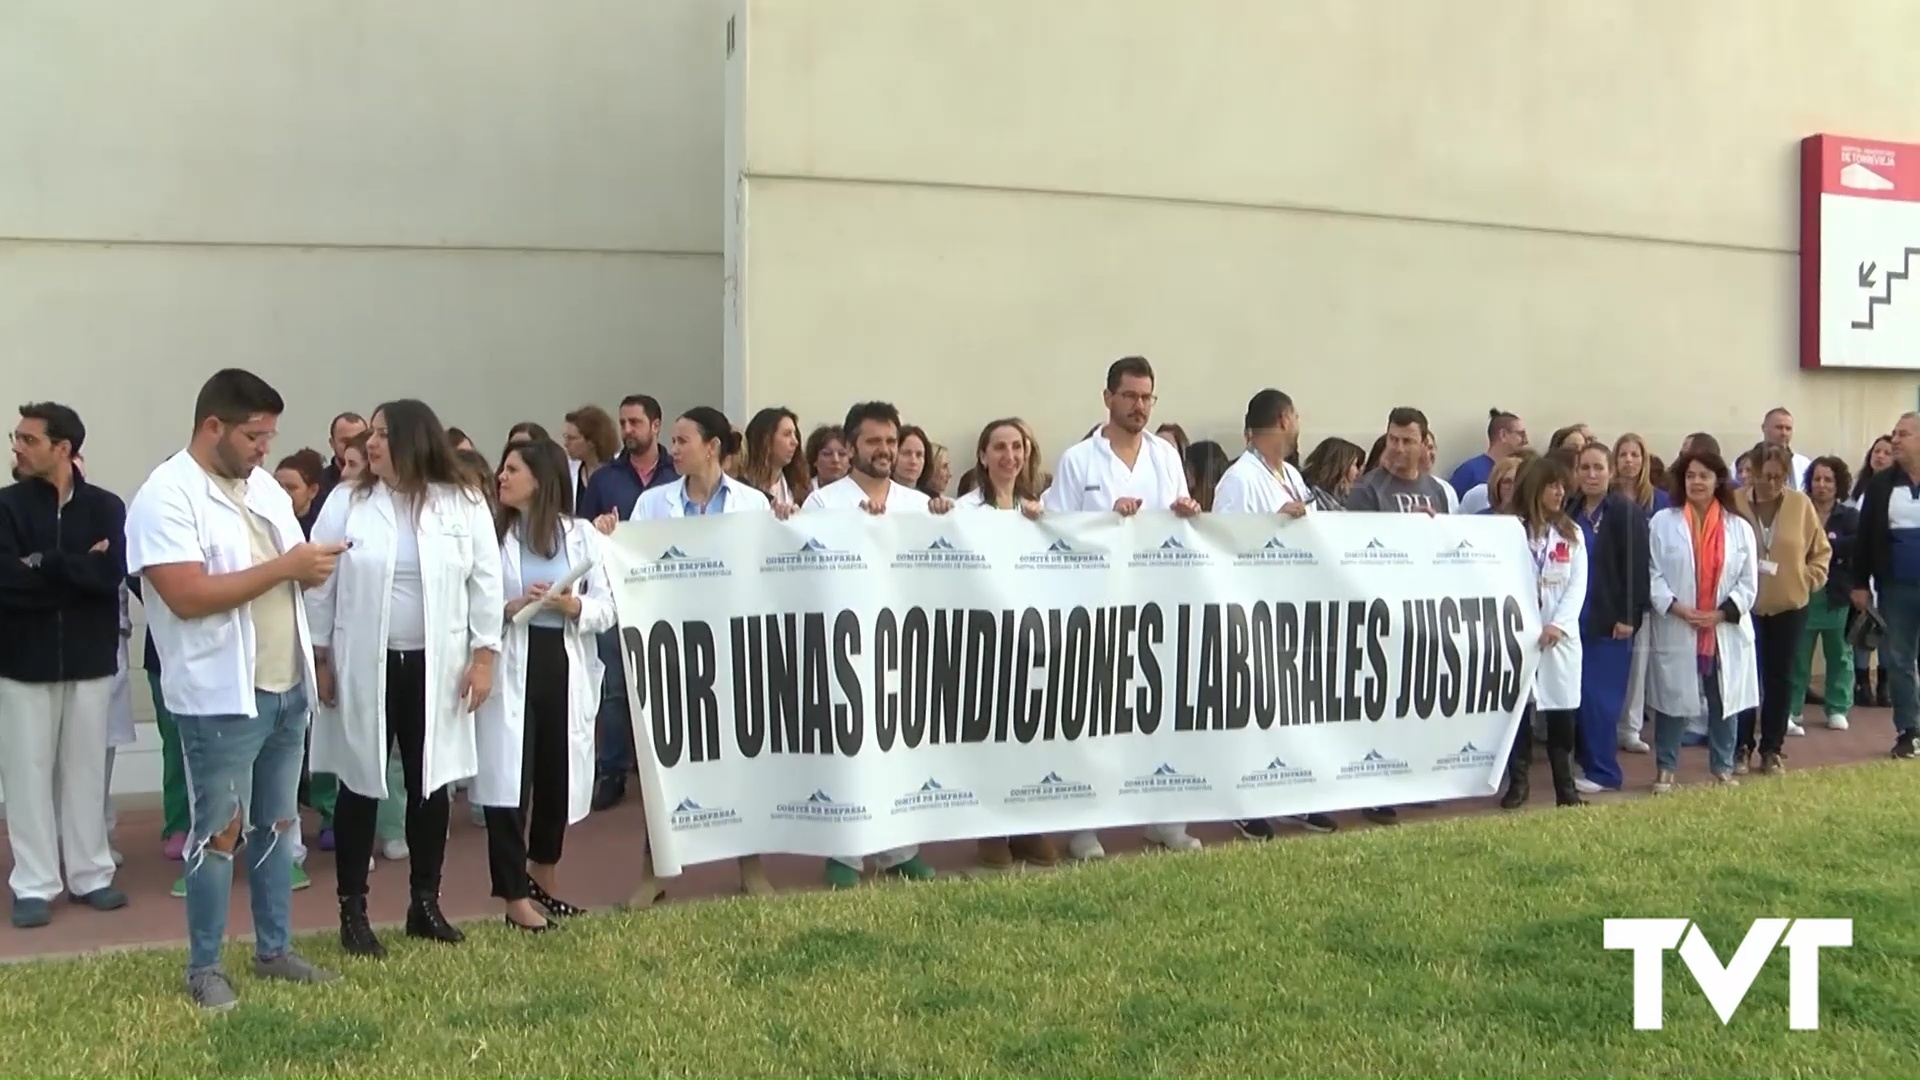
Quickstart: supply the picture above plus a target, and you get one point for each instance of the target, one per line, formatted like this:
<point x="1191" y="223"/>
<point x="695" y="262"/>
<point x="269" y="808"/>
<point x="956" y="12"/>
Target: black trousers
<point x="354" y="814"/>
<point x="536" y="830"/>
<point x="1778" y="643"/>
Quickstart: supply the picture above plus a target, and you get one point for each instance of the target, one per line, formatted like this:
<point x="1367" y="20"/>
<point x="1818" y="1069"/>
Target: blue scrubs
<point x="1606" y="665"/>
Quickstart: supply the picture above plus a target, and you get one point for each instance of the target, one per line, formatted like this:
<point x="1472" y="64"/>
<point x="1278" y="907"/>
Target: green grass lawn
<point x="1462" y="947"/>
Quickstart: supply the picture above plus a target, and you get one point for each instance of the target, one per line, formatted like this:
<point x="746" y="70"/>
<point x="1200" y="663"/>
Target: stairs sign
<point x="1859" y="251"/>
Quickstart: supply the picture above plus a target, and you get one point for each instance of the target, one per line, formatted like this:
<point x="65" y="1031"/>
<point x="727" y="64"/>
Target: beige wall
<point x="506" y="209"/>
<point x="1579" y="212"/>
<point x="503" y="208"/>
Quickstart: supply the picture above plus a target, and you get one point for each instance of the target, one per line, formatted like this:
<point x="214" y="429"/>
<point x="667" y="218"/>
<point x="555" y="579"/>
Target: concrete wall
<point x="1579" y="212"/>
<point x="504" y="209"/>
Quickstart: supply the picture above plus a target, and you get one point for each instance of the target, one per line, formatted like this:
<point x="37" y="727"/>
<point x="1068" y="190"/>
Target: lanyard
<point x="1280" y="477"/>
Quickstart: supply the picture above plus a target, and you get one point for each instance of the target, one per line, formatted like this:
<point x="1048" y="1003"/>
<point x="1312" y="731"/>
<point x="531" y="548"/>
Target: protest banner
<point x="840" y="683"/>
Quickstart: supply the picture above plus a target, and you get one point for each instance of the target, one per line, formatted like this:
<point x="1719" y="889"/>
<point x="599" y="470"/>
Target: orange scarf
<point x="1709" y="559"/>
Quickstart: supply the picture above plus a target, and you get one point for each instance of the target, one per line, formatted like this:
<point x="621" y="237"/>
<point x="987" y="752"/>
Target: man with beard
<point x="873" y="429"/>
<point x="1124" y="468"/>
<point x="214" y="538"/>
<point x="611" y="492"/>
<point x="62" y="558"/>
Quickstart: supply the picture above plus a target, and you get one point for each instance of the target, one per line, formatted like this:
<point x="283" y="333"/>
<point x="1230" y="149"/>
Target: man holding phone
<point x="215" y="539"/>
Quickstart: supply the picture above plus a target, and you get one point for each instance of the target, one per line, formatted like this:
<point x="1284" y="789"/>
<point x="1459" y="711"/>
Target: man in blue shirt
<point x="1887" y="558"/>
<point x="1506" y="436"/>
<point x="611" y="493"/>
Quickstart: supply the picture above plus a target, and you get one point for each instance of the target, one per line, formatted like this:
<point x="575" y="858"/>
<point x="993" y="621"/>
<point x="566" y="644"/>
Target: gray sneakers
<point x="291" y="967"/>
<point x="209" y="989"/>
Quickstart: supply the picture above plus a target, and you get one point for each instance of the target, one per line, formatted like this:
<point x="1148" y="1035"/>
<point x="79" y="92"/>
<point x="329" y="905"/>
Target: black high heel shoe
<point x="525" y="929"/>
<point x="555" y="906"/>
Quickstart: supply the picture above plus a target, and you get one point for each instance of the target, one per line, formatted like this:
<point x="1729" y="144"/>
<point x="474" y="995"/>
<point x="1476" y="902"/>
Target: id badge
<point x="1768" y="566"/>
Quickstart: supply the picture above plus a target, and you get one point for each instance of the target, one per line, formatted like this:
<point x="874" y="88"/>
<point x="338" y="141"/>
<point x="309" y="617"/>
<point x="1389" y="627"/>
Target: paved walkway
<point x="601" y="866"/>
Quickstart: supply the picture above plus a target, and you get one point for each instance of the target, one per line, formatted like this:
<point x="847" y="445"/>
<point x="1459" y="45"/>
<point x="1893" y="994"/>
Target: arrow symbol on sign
<point x="1885" y="295"/>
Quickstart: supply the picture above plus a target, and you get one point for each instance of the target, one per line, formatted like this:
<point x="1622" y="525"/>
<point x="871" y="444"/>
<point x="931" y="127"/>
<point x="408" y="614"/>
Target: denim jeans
<point x="242" y="769"/>
<point x="613" y="727"/>
<point x="1722" y="730"/>
<point x="1900" y="606"/>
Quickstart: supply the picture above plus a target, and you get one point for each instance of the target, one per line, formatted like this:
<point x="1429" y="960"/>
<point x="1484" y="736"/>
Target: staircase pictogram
<point x="1886" y="286"/>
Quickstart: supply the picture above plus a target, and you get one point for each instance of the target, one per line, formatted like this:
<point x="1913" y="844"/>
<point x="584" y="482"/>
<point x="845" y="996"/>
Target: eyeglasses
<point x="1131" y="398"/>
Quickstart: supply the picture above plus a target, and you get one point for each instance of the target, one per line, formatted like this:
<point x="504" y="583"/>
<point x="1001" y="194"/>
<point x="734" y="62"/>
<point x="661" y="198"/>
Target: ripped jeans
<point x="242" y="769"/>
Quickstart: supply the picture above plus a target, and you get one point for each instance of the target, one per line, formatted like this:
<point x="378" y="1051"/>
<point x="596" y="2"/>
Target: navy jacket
<point x="615" y="487"/>
<point x="1843" y="530"/>
<point x="60" y="599"/>
<point x="1620" y="572"/>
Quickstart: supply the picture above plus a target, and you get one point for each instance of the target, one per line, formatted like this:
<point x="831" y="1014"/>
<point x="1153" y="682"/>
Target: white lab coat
<point x="669" y="500"/>
<point x="1249" y="486"/>
<point x="500" y="729"/>
<point x="460" y="585"/>
<point x="120" y="708"/>
<point x="1673" y="679"/>
<point x="1560" y="569"/>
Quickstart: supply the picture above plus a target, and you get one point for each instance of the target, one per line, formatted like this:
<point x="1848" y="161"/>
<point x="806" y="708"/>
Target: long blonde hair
<point x="1507" y="468"/>
<point x="1640" y="488"/>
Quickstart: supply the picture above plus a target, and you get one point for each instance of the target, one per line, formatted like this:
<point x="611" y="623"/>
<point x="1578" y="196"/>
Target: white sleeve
<point x="161" y="530"/>
<point x="486" y="599"/>
<point x="1746" y="583"/>
<point x="1231" y="496"/>
<point x="1062" y="494"/>
<point x="1474" y="501"/>
<point x="329" y="528"/>
<point x="596" y="592"/>
<point x="1660" y="594"/>
<point x="1566" y="614"/>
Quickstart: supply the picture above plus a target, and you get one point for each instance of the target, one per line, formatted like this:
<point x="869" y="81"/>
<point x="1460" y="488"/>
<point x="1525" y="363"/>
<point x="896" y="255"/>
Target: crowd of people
<point x="366" y="633"/>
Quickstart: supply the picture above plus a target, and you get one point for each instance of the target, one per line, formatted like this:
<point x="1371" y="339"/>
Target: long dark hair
<point x="1535" y="477"/>
<point x="1026" y="483"/>
<point x="1711" y="461"/>
<point x="552" y="501"/>
<point x="1866" y="466"/>
<point x="758" y="468"/>
<point x="1207" y="462"/>
<point x="420" y="452"/>
<point x="1330" y="463"/>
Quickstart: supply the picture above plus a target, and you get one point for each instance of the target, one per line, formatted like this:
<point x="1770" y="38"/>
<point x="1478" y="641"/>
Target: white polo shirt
<point x="1091" y="476"/>
<point x="845" y="494"/>
<point x="1249" y="486"/>
<point x="180" y="515"/>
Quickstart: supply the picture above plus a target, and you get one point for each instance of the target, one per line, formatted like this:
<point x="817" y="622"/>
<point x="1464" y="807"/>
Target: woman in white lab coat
<point x="702" y="439"/>
<point x="1006" y="476"/>
<point x="405" y="637"/>
<point x="535" y="732"/>
<point x="1705" y="577"/>
<point x="1560" y="575"/>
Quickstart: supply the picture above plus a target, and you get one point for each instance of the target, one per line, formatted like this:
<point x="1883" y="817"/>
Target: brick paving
<point x="601" y="866"/>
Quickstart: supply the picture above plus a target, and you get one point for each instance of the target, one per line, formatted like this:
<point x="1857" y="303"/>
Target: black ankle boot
<point x="356" y="933"/>
<point x="1862" y="688"/>
<point x="424" y="920"/>
<point x="1564" y="793"/>
<point x="1519" y="768"/>
<point x="1882" y="689"/>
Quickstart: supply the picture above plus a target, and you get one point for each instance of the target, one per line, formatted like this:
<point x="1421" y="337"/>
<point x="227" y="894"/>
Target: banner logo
<point x="1051" y="788"/>
<point x="819" y="806"/>
<point x="1463" y="552"/>
<point x="1467" y="757"/>
<point x="1061" y="555"/>
<point x="1374" y="766"/>
<point x="674" y="564"/>
<point x="1170" y="553"/>
<point x="1275" y="773"/>
<point x="814" y="555"/>
<point x="1163" y="780"/>
<point x="932" y="795"/>
<point x="691" y="815"/>
<point x="1376" y="554"/>
<point x="1275" y="553"/>
<point x="941" y="555"/>
<point x="1725" y="985"/>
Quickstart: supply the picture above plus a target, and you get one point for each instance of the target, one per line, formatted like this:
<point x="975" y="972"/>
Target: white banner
<point x="841" y="684"/>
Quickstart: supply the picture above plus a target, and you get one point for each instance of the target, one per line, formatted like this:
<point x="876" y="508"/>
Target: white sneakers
<point x="395" y="850"/>
<point x="1633" y="744"/>
<point x="1172" y="837"/>
<point x="1837" y="721"/>
<point x="1085" y="846"/>
<point x="1586" y="787"/>
<point x="1795" y="727"/>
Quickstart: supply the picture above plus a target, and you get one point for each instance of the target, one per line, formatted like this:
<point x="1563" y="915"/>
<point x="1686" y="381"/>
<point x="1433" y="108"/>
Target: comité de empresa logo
<point x="1276" y="773"/>
<point x="820" y="806"/>
<point x="1468" y="757"/>
<point x="1463" y="552"/>
<point x="1051" y="788"/>
<point x="1164" y="779"/>
<point x="675" y="564"/>
<point x="1374" y="766"/>
<point x="814" y="555"/>
<point x="1170" y="553"/>
<point x="1375" y="553"/>
<point x="934" y="795"/>
<point x="940" y="555"/>
<point x="1061" y="555"/>
<point x="1275" y="552"/>
<point x="689" y="815"/>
